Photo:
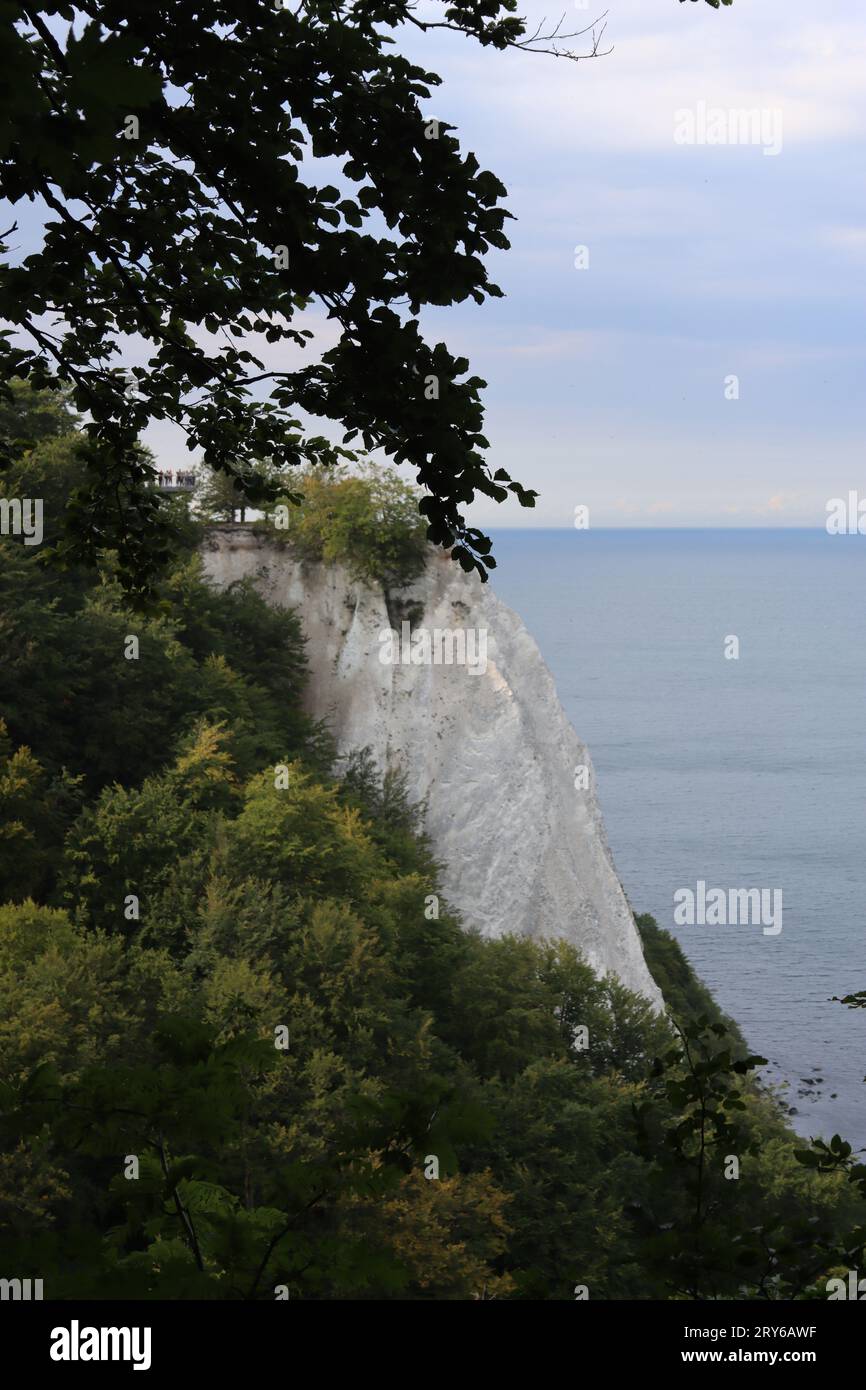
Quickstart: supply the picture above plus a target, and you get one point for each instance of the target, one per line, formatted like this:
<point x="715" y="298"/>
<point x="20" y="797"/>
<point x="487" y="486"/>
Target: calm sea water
<point x="743" y="773"/>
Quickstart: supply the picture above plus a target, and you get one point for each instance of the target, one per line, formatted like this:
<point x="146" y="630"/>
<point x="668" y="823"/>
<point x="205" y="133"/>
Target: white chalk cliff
<point x="492" y="752"/>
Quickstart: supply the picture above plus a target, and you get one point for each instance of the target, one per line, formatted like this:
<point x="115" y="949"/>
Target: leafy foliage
<point x="685" y="995"/>
<point x="66" y="687"/>
<point x="222" y="497"/>
<point x="836" y="1158"/>
<point x="169" y="156"/>
<point x="368" y="522"/>
<point x="265" y="907"/>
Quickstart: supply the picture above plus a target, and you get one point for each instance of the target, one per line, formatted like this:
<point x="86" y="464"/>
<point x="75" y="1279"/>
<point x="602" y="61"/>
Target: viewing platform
<point x="180" y="481"/>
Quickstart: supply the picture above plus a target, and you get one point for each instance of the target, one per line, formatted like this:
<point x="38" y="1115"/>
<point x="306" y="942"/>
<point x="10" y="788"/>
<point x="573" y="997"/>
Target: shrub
<point x="369" y="523"/>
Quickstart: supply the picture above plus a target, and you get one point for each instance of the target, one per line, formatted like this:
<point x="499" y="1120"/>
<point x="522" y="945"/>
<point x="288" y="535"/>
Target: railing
<point x="181" y="481"/>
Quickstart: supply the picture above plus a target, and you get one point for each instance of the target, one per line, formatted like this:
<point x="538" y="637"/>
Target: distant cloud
<point x="846" y="238"/>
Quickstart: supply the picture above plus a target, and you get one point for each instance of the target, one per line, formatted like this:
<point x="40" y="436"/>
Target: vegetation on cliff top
<point x="366" y="520"/>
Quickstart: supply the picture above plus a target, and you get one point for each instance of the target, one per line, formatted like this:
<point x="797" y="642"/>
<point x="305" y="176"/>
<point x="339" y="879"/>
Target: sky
<point x="607" y="385"/>
<point x="611" y="386"/>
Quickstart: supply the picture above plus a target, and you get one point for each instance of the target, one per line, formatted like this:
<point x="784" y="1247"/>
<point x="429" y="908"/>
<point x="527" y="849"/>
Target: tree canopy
<point x="176" y="154"/>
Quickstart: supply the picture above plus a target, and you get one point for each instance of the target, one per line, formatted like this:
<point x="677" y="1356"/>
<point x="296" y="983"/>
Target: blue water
<point x="743" y="773"/>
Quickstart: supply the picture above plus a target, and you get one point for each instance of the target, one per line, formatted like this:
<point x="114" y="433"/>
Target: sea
<point x="739" y="764"/>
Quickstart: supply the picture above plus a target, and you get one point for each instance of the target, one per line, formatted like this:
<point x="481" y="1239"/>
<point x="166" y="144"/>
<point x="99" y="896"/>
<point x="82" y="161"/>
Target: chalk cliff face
<point x="486" y="744"/>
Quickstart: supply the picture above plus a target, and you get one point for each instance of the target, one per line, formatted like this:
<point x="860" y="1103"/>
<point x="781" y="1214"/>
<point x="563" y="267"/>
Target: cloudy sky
<point x="607" y="385"/>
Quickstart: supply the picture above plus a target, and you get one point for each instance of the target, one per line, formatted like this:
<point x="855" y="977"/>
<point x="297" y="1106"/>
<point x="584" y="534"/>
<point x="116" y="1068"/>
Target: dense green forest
<point x="248" y="1051"/>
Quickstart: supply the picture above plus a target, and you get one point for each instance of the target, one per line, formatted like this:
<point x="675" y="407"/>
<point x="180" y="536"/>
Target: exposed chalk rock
<point x="488" y="747"/>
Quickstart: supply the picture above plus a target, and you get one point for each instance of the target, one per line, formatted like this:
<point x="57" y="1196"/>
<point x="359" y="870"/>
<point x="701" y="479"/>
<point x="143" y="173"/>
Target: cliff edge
<point x="512" y="813"/>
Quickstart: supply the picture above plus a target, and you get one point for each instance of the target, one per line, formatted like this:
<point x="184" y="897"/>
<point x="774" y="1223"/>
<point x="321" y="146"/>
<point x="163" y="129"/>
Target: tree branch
<point x="526" y="45"/>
